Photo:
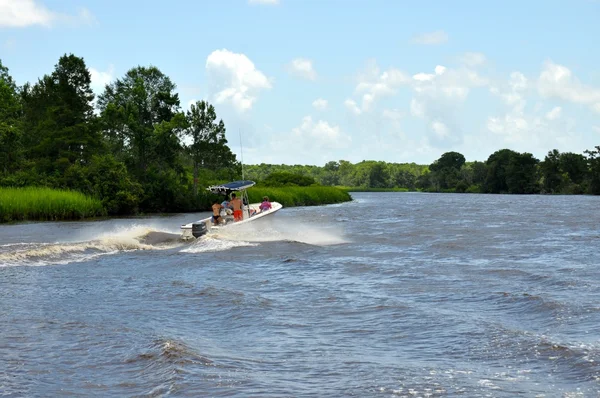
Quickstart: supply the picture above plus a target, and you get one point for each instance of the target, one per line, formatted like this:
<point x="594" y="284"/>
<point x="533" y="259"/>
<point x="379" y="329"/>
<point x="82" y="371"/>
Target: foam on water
<point x="121" y="239"/>
<point x="211" y="243"/>
<point x="292" y="231"/>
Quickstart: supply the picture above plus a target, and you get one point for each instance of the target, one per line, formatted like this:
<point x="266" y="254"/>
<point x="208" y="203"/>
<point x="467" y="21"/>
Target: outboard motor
<point x="199" y="229"/>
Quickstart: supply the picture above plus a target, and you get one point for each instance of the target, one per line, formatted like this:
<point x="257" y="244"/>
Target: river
<point x="390" y="295"/>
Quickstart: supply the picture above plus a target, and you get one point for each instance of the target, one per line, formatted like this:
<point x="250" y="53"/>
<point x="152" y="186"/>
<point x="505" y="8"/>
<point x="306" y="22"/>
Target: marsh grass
<point x="45" y="204"/>
<point x="300" y="196"/>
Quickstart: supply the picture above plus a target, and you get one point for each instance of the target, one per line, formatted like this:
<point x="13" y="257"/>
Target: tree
<point x="497" y="164"/>
<point x="287" y="179"/>
<point x="10" y="123"/>
<point x="575" y="166"/>
<point x="208" y="146"/>
<point x="445" y="172"/>
<point x="521" y="174"/>
<point x="550" y="169"/>
<point x="133" y="110"/>
<point x="59" y="119"/>
<point x="593" y="158"/>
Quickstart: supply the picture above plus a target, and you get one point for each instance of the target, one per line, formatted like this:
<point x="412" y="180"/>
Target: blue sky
<point x="309" y="81"/>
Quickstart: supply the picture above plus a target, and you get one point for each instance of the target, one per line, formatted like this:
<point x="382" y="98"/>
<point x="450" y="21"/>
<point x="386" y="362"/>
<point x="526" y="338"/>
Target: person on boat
<point x="265" y="205"/>
<point x="216" y="208"/>
<point x="236" y="203"/>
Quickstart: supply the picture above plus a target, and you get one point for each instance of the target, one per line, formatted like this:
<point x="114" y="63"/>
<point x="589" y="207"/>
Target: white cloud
<point x="352" y="107"/>
<point x="23" y="13"/>
<point x="267" y="2"/>
<point x="320" y="104"/>
<point x="431" y="38"/>
<point x="374" y="84"/>
<point x="447" y="83"/>
<point x="321" y="135"/>
<point x="531" y="130"/>
<point x="417" y="109"/>
<point x="235" y="79"/>
<point x="303" y="68"/>
<point x="393" y="114"/>
<point x="440" y="129"/>
<point x="596" y="107"/>
<point x="472" y="59"/>
<point x="554" y="113"/>
<point x="101" y="79"/>
<point x="596" y="129"/>
<point x="557" y="81"/>
<point x="9" y="44"/>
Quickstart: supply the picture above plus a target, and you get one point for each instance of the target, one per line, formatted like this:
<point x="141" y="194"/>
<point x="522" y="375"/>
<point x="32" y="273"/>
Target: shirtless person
<point x="216" y="208"/>
<point x="236" y="203"/>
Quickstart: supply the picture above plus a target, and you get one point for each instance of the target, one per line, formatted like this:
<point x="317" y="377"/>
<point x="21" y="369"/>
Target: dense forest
<point x="505" y="171"/>
<point x="132" y="146"/>
<point x="136" y="150"/>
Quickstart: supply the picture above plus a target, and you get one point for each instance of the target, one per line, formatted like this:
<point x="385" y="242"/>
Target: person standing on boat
<point x="265" y="205"/>
<point x="236" y="203"/>
<point x="216" y="208"/>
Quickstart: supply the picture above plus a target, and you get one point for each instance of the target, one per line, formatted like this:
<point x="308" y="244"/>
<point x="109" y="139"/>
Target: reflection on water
<point x="393" y="294"/>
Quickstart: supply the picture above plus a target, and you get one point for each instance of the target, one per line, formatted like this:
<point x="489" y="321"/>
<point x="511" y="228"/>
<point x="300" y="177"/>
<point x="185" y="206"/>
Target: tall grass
<point x="299" y="196"/>
<point x="42" y="204"/>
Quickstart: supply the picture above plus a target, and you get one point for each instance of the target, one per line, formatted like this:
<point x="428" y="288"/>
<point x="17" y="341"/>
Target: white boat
<point x="250" y="211"/>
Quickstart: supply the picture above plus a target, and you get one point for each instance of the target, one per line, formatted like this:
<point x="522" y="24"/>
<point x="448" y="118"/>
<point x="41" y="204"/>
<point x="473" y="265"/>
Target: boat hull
<point x="201" y="227"/>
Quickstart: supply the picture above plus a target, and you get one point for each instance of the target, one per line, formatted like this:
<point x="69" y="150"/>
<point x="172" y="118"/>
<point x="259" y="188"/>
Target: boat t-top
<point x="250" y="212"/>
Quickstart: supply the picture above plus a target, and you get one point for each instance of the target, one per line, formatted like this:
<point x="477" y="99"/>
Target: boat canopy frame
<point x="227" y="189"/>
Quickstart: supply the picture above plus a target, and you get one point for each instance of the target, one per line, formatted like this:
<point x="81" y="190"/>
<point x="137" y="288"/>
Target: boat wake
<point x="213" y="243"/>
<point x="110" y="242"/>
<point x="276" y="231"/>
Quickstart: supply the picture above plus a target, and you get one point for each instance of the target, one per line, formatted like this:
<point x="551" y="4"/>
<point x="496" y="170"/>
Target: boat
<point x="250" y="211"/>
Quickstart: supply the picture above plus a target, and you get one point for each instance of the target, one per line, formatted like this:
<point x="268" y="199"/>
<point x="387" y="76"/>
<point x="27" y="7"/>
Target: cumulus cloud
<point x="530" y="129"/>
<point x="431" y="38"/>
<point x="320" y="134"/>
<point x="352" y="106"/>
<point x="303" y="68"/>
<point x="557" y="81"/>
<point x="472" y="59"/>
<point x="101" y="79"/>
<point x="23" y="13"/>
<point x="374" y="84"/>
<point x="234" y="79"/>
<point x="320" y="104"/>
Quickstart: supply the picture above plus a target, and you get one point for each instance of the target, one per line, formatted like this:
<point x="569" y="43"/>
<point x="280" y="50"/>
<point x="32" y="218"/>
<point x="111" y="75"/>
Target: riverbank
<point x="300" y="196"/>
<point x="45" y="204"/>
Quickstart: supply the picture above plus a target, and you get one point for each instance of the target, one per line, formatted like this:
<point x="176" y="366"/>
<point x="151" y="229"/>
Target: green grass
<point x="360" y="189"/>
<point x="300" y="196"/>
<point x="44" y="204"/>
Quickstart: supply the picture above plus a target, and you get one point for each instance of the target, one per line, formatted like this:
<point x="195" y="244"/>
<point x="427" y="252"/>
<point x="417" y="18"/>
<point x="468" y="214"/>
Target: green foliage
<point x="299" y="196"/>
<point x="139" y="119"/>
<point x="208" y="148"/>
<point x="17" y="204"/>
<point x="445" y="172"/>
<point x="10" y="123"/>
<point x="283" y="179"/>
<point x="60" y="125"/>
<point x="594" y="167"/>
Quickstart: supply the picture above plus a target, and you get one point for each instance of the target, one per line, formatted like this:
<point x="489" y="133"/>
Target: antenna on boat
<point x="242" y="153"/>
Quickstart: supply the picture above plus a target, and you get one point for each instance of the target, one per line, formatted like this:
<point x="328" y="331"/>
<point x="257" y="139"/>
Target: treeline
<point x="505" y="171"/>
<point x="132" y="147"/>
<point x="366" y="174"/>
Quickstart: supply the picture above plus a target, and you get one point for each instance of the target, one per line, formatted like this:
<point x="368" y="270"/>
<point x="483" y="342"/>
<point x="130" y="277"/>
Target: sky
<point x="311" y="81"/>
